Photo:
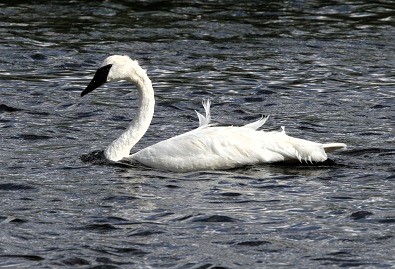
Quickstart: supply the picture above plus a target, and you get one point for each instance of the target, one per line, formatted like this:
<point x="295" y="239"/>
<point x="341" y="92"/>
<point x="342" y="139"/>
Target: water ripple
<point x="324" y="70"/>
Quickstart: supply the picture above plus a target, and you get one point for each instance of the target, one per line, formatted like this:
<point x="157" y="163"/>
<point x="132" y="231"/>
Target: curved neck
<point x="120" y="148"/>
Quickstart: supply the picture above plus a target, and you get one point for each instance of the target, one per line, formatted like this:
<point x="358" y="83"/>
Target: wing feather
<point x="257" y="124"/>
<point x="205" y="120"/>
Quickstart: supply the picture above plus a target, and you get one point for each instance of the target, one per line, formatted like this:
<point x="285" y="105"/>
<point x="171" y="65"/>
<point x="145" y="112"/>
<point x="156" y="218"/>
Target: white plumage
<point x="206" y="147"/>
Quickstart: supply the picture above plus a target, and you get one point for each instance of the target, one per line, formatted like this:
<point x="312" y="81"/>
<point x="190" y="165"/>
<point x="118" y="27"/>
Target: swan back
<point x="213" y="148"/>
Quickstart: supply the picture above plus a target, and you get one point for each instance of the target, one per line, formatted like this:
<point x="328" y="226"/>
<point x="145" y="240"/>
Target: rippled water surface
<point x="323" y="69"/>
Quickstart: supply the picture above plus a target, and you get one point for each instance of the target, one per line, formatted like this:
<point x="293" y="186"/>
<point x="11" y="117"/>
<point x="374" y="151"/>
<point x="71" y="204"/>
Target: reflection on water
<point x="322" y="69"/>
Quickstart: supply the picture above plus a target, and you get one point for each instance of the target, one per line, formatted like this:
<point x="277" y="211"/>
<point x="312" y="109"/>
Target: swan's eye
<point x="99" y="79"/>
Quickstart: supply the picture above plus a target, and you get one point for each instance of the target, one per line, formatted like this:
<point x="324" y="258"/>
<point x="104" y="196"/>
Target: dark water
<point x="323" y="69"/>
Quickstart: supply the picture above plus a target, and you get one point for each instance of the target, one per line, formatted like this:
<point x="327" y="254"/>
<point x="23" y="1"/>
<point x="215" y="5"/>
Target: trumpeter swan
<point x="204" y="148"/>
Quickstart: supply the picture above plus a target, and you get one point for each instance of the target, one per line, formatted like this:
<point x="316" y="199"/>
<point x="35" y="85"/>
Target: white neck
<point x="120" y="148"/>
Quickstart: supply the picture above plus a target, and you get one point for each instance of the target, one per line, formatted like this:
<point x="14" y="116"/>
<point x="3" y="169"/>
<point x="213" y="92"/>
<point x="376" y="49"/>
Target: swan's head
<point x="115" y="68"/>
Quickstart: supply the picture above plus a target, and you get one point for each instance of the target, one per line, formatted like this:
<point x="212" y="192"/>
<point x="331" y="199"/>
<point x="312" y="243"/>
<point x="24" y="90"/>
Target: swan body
<point x="207" y="147"/>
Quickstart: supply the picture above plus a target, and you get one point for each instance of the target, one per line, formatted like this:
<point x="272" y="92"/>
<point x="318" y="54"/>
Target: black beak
<point x="99" y="79"/>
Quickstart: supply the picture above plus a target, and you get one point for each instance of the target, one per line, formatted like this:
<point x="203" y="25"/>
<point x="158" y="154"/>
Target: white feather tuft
<point x="205" y="120"/>
<point x="257" y="124"/>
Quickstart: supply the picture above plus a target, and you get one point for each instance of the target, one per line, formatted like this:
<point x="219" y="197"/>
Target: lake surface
<point x="322" y="69"/>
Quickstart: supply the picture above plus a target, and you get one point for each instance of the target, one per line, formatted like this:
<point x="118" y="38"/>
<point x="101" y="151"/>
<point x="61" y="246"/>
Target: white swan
<point x="206" y="147"/>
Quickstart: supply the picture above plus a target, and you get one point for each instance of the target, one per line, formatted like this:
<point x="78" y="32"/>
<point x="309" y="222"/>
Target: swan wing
<point x="210" y="148"/>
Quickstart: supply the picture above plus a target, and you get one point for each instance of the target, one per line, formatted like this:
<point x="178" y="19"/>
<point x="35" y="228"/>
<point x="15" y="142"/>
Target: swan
<point x="207" y="147"/>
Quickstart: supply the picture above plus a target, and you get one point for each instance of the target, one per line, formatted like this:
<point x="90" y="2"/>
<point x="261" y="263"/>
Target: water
<point x="325" y="70"/>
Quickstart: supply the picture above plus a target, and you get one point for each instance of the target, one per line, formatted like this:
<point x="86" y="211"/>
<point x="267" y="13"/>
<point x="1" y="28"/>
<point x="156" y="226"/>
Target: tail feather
<point x="330" y="147"/>
<point x="292" y="148"/>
